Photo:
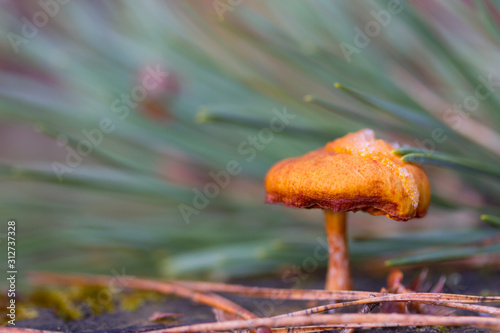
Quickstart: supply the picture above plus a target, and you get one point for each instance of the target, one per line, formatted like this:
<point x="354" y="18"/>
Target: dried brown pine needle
<point x="364" y="320"/>
<point x="23" y="330"/>
<point x="411" y="297"/>
<point x="307" y="295"/>
<point x="278" y="293"/>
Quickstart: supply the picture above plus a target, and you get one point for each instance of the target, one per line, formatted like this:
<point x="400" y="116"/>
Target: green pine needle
<point x="454" y="253"/>
<point x="494" y="221"/>
<point x="449" y="161"/>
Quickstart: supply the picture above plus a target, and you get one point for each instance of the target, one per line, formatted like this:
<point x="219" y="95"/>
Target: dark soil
<point x="477" y="282"/>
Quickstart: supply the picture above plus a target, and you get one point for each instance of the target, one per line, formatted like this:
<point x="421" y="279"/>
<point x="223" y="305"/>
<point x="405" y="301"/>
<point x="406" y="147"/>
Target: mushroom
<point x="355" y="172"/>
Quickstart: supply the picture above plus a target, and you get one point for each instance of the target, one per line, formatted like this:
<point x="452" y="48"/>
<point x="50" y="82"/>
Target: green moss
<point x="97" y="299"/>
<point x="59" y="300"/>
<point x="77" y="302"/>
<point x="24" y="310"/>
<point x="488" y="292"/>
<point x="133" y="300"/>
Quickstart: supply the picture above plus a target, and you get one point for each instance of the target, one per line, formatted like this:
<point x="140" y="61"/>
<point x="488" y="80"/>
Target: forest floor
<point x="181" y="311"/>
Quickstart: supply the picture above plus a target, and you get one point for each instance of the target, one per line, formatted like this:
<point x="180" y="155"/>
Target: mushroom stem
<point x="338" y="276"/>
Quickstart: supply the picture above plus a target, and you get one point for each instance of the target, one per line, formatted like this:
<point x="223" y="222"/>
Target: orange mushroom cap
<point x="355" y="172"/>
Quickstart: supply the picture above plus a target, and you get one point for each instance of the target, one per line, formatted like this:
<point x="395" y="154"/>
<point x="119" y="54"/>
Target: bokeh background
<point x="115" y="115"/>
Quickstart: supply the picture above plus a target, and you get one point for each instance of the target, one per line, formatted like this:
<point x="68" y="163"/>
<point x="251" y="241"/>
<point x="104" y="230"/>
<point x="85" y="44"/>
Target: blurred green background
<point x="115" y="115"/>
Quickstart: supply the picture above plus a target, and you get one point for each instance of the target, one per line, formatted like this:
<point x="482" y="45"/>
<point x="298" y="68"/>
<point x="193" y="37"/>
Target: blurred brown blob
<point x="395" y="286"/>
<point x="157" y="104"/>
